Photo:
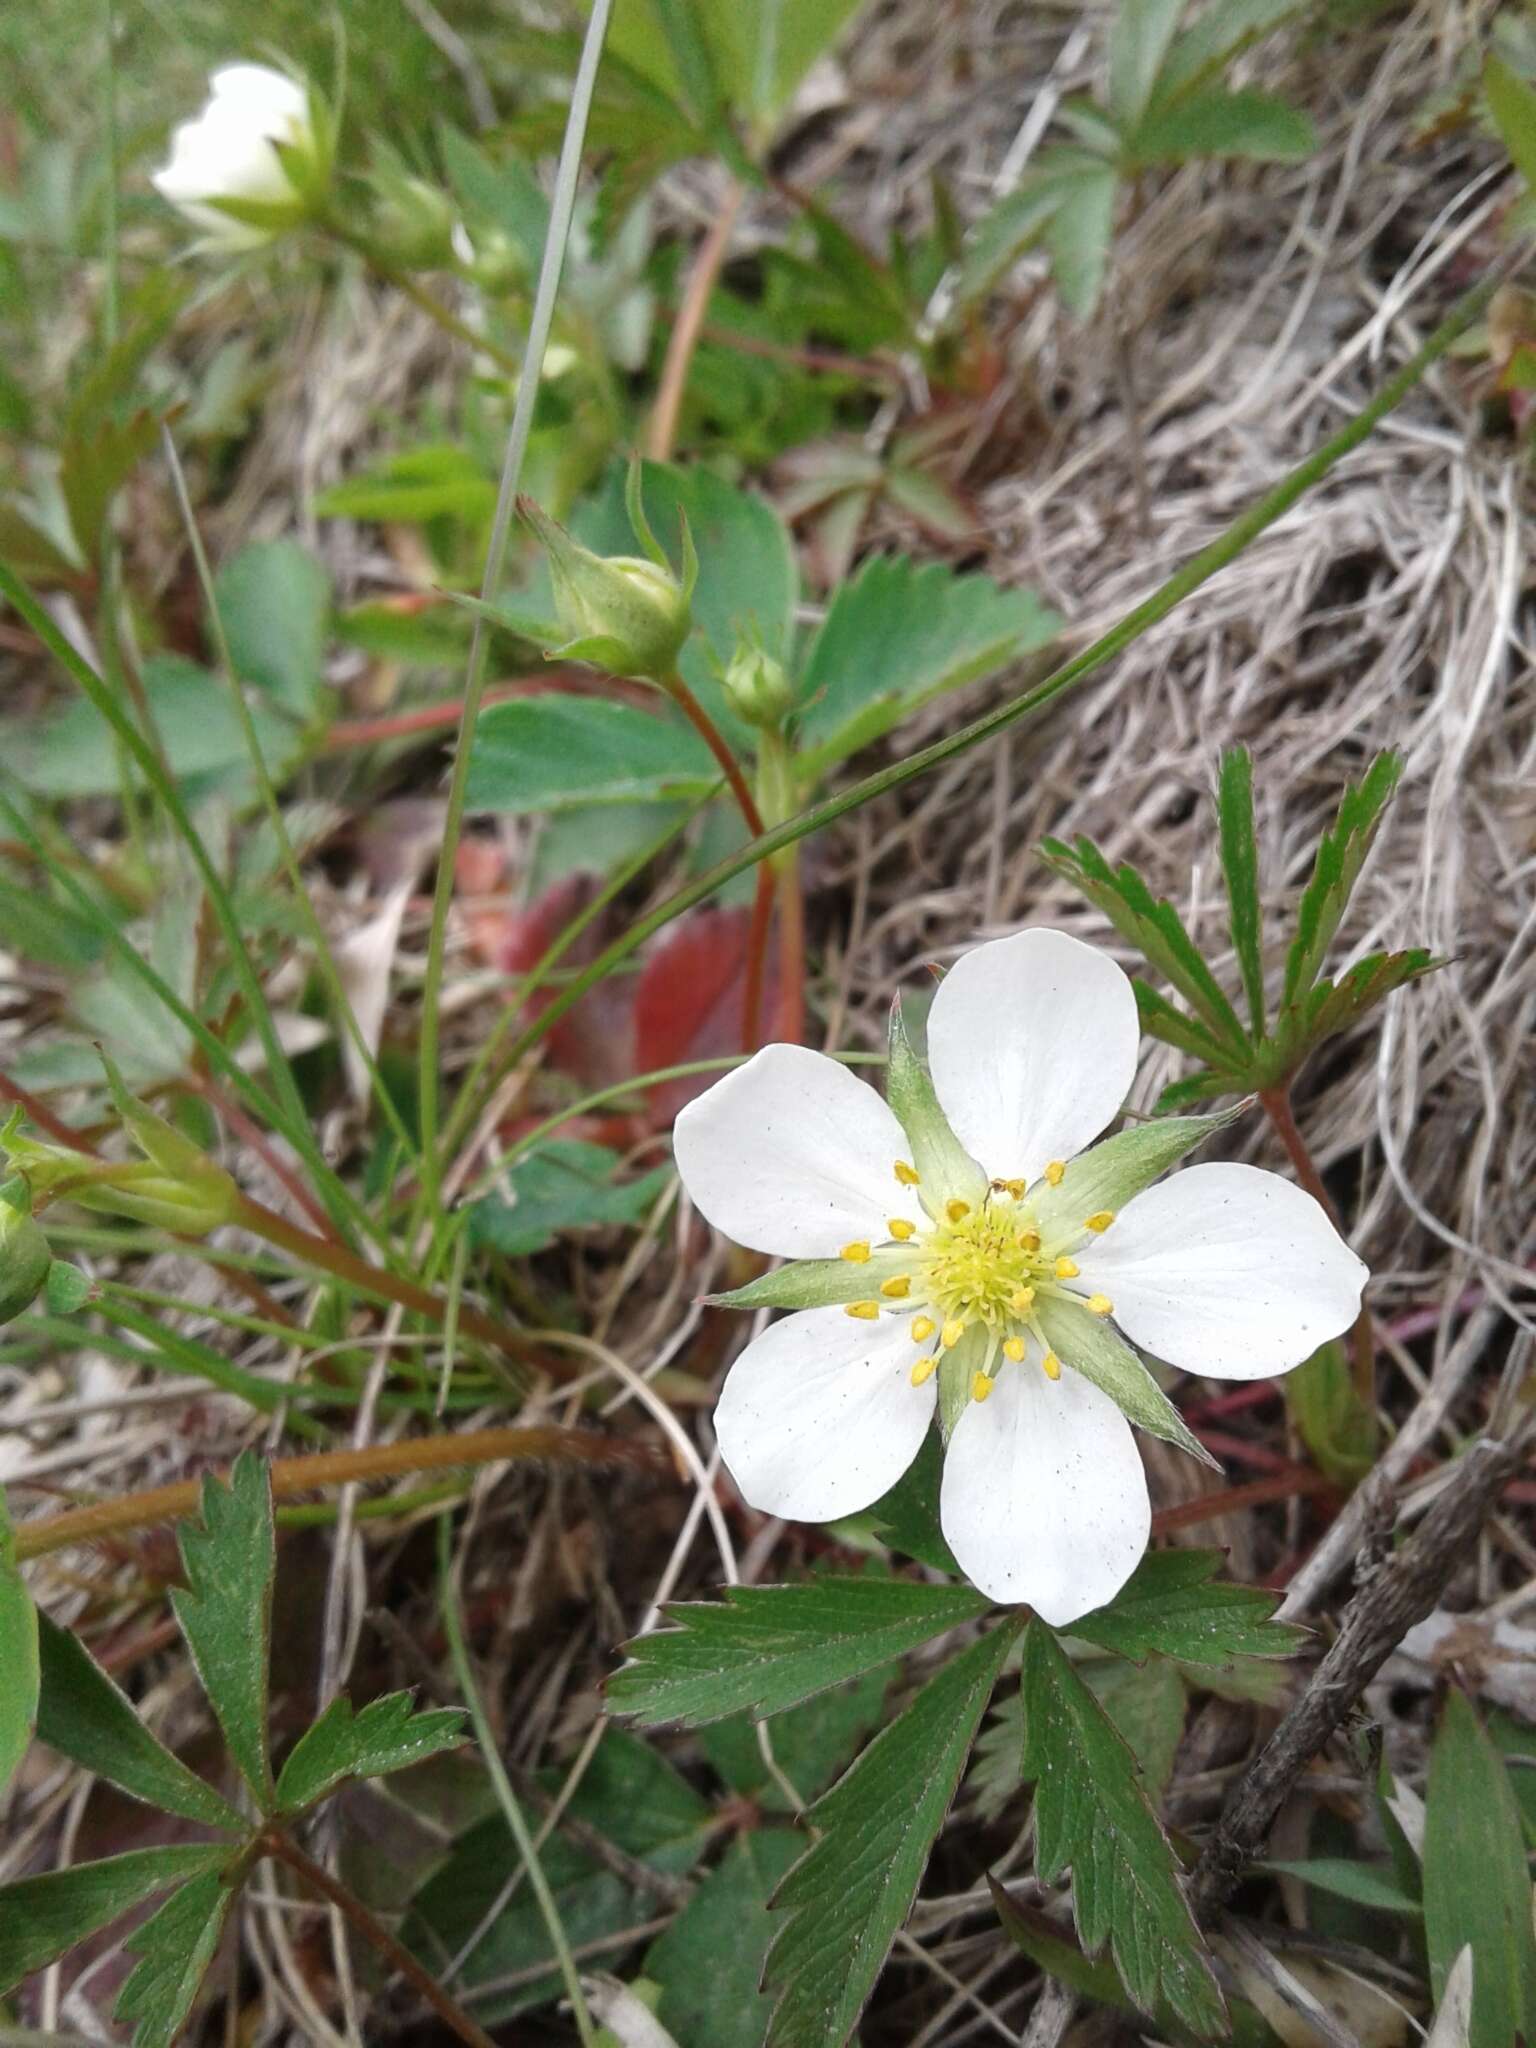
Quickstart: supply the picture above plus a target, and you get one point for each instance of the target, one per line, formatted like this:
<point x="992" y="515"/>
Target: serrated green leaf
<point x="225" y="1611"/>
<point x="1340" y="856"/>
<point x="1138" y="42"/>
<point x="41" y="1918"/>
<point x="1196" y="1087"/>
<point x="1477" y="1888"/>
<point x="943" y="1165"/>
<point x="1217" y="123"/>
<point x="1365" y="1884"/>
<point x="1240" y="868"/>
<point x="898" y="634"/>
<point x="1086" y="1345"/>
<point x="563" y="1185"/>
<point x="174" y="1947"/>
<point x="1333" y="1006"/>
<point x="1147" y="1703"/>
<point x="812" y="1743"/>
<point x="274" y="600"/>
<point x="765" y="1648"/>
<point x="1109" y="1174"/>
<point x="19" y="1668"/>
<point x="710" y="1959"/>
<point x="385" y="1736"/>
<point x="1091" y="1812"/>
<point x="1153" y="924"/>
<point x="1161" y="1019"/>
<point x="417" y="484"/>
<point x="86" y="1717"/>
<point x="1512" y="103"/>
<point x="1079" y="233"/>
<point x="1217" y="36"/>
<point x="1336" y="1426"/>
<point x="849" y="1894"/>
<point x="1174" y="1604"/>
<point x="545" y="753"/>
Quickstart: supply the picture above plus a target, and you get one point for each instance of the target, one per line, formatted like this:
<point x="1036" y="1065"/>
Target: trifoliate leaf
<point x="1092" y="1812"/>
<point x="1240" y="868"/>
<point x="385" y="1736"/>
<point x="18" y="1656"/>
<point x="1477" y="1888"/>
<point x="174" y="1946"/>
<point x="225" y="1611"/>
<point x="943" y="1165"/>
<point x="1173" y="1603"/>
<point x="43" y="1917"/>
<point x="85" y="1717"/>
<point x="765" y="1648"/>
<point x="849" y="1894"/>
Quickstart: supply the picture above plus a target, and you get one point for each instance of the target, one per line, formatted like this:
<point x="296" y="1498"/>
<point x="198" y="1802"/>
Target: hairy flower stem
<point x="292" y="1478"/>
<point x="275" y="1843"/>
<point x="381" y="1283"/>
<point x="1276" y="1104"/>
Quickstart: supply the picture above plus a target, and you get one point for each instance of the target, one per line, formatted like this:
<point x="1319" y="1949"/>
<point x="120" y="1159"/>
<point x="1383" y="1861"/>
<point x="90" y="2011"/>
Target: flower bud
<point x="490" y="258"/>
<point x="756" y="687"/>
<point x="626" y="615"/>
<point x="415" y="225"/>
<point x="24" y="1259"/>
<point x="252" y="164"/>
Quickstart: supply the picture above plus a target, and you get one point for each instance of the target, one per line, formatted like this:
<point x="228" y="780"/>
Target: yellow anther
<point x="1100" y="1220"/>
<point x="1023" y="1299"/>
<point x="857" y="1252"/>
<point x="1050" y="1365"/>
<point x="907" y="1175"/>
<point x="922" y="1329"/>
<point x="1066" y="1269"/>
<point x="1099" y="1305"/>
<point x="1016" y="1189"/>
<point x="866" y="1311"/>
<point x="981" y="1386"/>
<point x="901" y="1229"/>
<point x="924" y="1369"/>
<point x="897" y="1288"/>
<point x="1054" y="1172"/>
<point x="1029" y="1240"/>
<point x="956" y="1210"/>
<point x="1013" y="1347"/>
<point x="951" y="1334"/>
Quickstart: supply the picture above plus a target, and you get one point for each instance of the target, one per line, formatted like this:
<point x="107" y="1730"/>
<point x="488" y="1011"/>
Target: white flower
<point x="970" y="1249"/>
<point x="227" y="153"/>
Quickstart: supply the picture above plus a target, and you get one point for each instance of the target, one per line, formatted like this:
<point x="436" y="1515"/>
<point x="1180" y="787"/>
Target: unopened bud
<point x="756" y="687"/>
<point x="415" y="221"/>
<point x="623" y="614"/>
<point x="24" y="1257"/>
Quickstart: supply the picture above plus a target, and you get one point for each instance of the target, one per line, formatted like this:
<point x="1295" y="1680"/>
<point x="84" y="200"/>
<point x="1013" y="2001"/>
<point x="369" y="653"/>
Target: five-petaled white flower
<point x="227" y="153"/>
<point x="968" y="1248"/>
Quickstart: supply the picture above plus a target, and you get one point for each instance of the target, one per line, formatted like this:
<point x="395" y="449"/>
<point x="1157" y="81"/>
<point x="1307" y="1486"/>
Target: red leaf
<point x="688" y="1005"/>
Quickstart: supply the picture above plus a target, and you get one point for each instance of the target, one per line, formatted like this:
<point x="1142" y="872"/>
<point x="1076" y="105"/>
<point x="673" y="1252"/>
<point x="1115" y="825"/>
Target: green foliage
<point x="1340" y="1431"/>
<point x="225" y="1611"/>
<point x="765" y="1648"/>
<point x="1512" y="104"/>
<point x="549" y="753"/>
<point x="847" y="1897"/>
<point x="18" y="1655"/>
<point x="174" y="1948"/>
<point x="1365" y="1884"/>
<point x="385" y="1736"/>
<point x="564" y="1185"/>
<point x="1173" y="1605"/>
<point x="1313" y="1008"/>
<point x="812" y="1743"/>
<point x="1092" y="1812"/>
<point x="1477" y="1888"/>
<point x="45" y="1916"/>
<point x="274" y="602"/>
<point x="710" y="1960"/>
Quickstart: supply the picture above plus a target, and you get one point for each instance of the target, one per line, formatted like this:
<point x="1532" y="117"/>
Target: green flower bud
<point x="415" y="221"/>
<point x="24" y="1260"/>
<point x="491" y="259"/>
<point x="624" y="614"/>
<point x="756" y="687"/>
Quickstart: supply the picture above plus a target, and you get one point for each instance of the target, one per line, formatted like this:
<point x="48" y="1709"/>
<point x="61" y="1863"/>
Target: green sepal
<point x="815" y="1283"/>
<point x="1086" y="1345"/>
<point x="944" y="1167"/>
<point x="1108" y="1174"/>
<point x="957" y="1369"/>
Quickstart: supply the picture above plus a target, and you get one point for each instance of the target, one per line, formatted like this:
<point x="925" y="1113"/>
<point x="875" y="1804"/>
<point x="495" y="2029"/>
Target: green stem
<point x="1197" y="570"/>
<point x="562" y="207"/>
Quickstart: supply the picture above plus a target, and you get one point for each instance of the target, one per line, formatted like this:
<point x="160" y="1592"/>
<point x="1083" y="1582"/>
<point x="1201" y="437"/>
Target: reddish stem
<point x="714" y="739"/>
<point x="250" y="1134"/>
<point x="44" y="1117"/>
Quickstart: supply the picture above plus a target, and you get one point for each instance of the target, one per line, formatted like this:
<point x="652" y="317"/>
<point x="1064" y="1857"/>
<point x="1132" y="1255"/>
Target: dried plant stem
<point x="684" y="338"/>
<point x="294" y="1477"/>
<point x="1276" y="1103"/>
<point x="284" y="1849"/>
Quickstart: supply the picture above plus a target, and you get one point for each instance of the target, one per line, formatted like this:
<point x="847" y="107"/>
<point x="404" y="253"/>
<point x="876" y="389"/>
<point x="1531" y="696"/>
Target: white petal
<point x="1044" y="1498"/>
<point x="819" y="1416"/>
<point x="1227" y="1271"/>
<point x="1032" y="1045"/>
<point x="792" y="1154"/>
<point x="260" y="93"/>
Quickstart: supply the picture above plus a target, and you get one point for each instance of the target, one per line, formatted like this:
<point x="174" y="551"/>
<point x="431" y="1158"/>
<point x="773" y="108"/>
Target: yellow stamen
<point x="865" y="1311"/>
<point x="981" y="1386"/>
<point x="1023" y="1299"/>
<point x="1050" y="1365"/>
<point x="897" y="1287"/>
<point x="951" y="1334"/>
<point x="924" y="1369"/>
<point x="923" y="1328"/>
<point x="1099" y="1305"/>
<point x="907" y="1175"/>
<point x="900" y="1228"/>
<point x="1054" y="1172"/>
<point x="1013" y="1347"/>
<point x="857" y="1252"/>
<point x="1067" y="1269"/>
<point x="1101" y="1219"/>
<point x="1016" y="1189"/>
<point x="956" y="1210"/>
<point x="1029" y="1240"/>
